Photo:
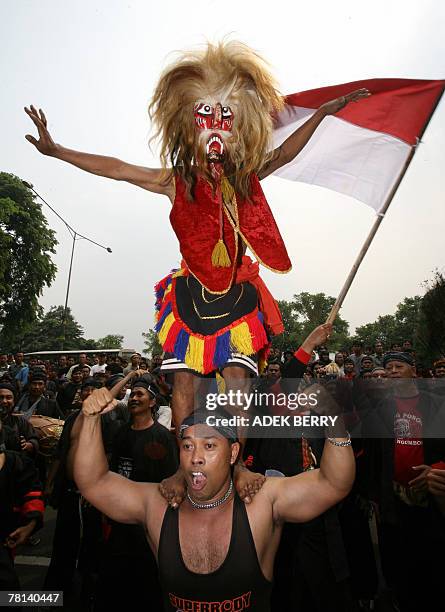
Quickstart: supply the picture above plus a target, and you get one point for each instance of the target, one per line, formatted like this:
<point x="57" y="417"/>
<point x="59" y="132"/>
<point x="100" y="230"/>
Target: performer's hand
<point x="332" y="107"/>
<point x="45" y="144"/>
<point x="173" y="489"/>
<point x="247" y="483"/>
<point x="100" y="401"/>
<point x="317" y="337"/>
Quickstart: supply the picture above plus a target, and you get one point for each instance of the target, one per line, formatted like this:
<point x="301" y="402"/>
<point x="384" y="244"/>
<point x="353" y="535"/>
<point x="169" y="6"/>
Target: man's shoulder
<point x="161" y="431"/>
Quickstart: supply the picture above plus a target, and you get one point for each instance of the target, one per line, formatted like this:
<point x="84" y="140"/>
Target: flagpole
<point x="380" y="216"/>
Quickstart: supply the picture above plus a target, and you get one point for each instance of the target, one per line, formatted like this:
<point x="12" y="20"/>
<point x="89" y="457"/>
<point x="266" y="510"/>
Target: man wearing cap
<point x="214" y="550"/>
<point x="19" y="434"/>
<point x="404" y="447"/>
<point x="34" y="400"/>
<point x="69" y="395"/>
<point x="135" y="360"/>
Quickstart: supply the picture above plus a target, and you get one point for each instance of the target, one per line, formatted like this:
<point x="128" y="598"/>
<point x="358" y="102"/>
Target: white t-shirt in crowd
<point x="98" y="368"/>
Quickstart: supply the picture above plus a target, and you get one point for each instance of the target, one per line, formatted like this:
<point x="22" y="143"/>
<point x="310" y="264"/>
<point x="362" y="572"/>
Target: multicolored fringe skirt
<point x="204" y="332"/>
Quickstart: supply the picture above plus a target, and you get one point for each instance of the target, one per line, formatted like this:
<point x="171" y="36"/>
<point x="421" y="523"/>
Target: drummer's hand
<point x="28" y="447"/>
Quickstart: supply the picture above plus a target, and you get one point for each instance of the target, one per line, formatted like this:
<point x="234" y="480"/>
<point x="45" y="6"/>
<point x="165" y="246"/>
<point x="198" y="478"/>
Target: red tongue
<point x="216" y="147"/>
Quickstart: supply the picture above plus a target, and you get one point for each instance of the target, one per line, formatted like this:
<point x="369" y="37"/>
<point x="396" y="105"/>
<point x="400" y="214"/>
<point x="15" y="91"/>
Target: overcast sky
<point x="92" y="66"/>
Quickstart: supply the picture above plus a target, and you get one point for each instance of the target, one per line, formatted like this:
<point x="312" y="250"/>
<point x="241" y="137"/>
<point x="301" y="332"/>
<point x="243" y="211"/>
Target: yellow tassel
<point x="241" y="339"/>
<point x="227" y="190"/>
<point x="220" y="383"/>
<point x="262" y="363"/>
<point x="180" y="272"/>
<point x="194" y="356"/>
<point x="162" y="335"/>
<point x="220" y="256"/>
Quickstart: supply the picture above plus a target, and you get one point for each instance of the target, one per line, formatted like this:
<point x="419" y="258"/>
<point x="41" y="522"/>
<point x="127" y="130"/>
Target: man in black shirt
<point x="68" y="397"/>
<point x="19" y="435"/>
<point x="143" y="451"/>
<point x="34" y="400"/>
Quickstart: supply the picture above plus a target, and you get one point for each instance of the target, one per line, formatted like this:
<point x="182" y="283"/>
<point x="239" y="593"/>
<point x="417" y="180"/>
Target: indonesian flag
<point x="361" y="150"/>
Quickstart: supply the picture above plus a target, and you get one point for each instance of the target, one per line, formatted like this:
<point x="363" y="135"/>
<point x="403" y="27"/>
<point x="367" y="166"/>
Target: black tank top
<point x="238" y="584"/>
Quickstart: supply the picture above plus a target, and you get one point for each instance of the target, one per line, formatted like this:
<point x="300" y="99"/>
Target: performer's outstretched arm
<point x="290" y="148"/>
<point x="152" y="179"/>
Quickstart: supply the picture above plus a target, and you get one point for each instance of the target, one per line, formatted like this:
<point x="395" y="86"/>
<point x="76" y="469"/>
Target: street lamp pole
<point x="65" y="310"/>
<point x="75" y="236"/>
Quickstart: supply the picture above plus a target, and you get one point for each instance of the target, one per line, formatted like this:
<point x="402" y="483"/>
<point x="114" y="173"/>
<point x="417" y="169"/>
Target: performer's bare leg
<point x="183" y="396"/>
<point x="183" y="401"/>
<point x="247" y="483"/>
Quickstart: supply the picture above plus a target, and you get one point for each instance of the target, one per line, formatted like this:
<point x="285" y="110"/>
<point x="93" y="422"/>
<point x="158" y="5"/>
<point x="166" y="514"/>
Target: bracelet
<point x="334" y="442"/>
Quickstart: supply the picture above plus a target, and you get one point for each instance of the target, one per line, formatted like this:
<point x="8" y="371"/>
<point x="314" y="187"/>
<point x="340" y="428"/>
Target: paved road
<point x="32" y="561"/>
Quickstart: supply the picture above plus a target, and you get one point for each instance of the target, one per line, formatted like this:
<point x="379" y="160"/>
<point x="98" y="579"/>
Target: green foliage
<point x="402" y="325"/>
<point x="47" y="333"/>
<point x="151" y="342"/>
<point x="26" y="245"/>
<point x="431" y="329"/>
<point x="302" y="314"/>
<point x="111" y="341"/>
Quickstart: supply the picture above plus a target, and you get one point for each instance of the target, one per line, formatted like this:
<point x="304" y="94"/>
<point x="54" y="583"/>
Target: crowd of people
<point x="389" y="524"/>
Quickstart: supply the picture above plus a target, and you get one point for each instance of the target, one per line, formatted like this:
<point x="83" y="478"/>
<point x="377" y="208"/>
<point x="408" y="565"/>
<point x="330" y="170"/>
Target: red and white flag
<point x="360" y="151"/>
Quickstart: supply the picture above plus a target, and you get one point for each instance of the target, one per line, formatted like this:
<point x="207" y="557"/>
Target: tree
<point x="402" y="325"/>
<point x="26" y="267"/>
<point x="111" y="341"/>
<point x="384" y="329"/>
<point x="302" y="314"/>
<point x="47" y="333"/>
<point x="152" y="345"/>
<point x="431" y="329"/>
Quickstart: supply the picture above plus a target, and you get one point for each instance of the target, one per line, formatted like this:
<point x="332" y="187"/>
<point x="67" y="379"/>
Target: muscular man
<point x="213" y="551"/>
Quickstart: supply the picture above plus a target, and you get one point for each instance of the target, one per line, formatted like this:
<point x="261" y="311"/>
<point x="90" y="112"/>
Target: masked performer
<point x="213" y="113"/>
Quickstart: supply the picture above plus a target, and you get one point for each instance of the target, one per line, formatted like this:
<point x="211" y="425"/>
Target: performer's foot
<point x="173" y="489"/>
<point x="247" y="483"/>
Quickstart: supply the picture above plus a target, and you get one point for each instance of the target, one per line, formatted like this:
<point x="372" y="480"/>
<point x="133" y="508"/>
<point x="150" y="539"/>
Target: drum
<point x="49" y="431"/>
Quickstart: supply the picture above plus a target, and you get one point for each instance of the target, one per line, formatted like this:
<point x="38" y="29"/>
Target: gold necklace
<point x="221" y="316"/>
<point x="220" y="297"/>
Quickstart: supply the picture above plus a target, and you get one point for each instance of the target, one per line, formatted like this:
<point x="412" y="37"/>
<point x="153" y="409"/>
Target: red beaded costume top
<point x="197" y="226"/>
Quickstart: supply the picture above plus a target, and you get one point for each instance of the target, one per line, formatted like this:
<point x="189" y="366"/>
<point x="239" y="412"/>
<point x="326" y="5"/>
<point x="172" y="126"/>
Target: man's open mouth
<point x="199" y="481"/>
